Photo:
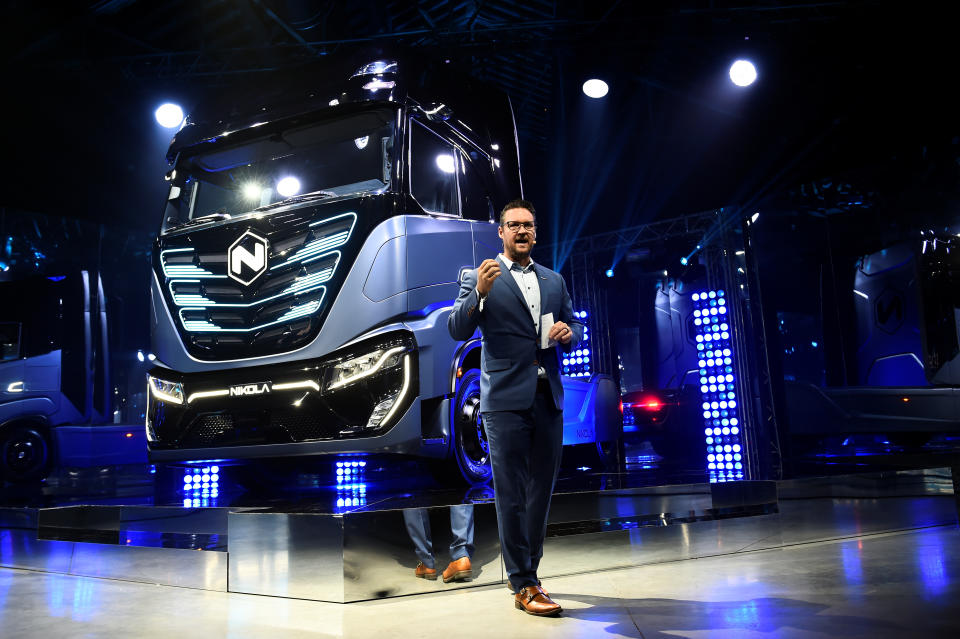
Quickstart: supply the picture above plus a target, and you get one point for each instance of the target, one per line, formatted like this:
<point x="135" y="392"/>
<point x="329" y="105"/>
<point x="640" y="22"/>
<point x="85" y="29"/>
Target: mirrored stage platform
<point x="350" y="540"/>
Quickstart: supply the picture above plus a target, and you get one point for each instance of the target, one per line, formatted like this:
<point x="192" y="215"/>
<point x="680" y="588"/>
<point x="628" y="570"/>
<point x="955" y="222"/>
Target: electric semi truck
<point x="310" y="252"/>
<point x="54" y="374"/>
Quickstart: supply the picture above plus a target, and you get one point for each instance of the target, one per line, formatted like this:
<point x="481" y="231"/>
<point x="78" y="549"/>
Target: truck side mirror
<point x="437" y="111"/>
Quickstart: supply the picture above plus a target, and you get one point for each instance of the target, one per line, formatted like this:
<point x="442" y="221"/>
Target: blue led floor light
<point x="351" y="485"/>
<point x="721" y="417"/>
<point x="576" y="363"/>
<point x="201" y="486"/>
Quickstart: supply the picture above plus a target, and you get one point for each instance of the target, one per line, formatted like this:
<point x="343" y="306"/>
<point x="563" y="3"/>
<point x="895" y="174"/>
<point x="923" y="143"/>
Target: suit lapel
<point x="544" y="297"/>
<point x="507" y="278"/>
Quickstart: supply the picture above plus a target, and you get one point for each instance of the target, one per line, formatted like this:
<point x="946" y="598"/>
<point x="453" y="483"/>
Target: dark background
<point x="856" y="89"/>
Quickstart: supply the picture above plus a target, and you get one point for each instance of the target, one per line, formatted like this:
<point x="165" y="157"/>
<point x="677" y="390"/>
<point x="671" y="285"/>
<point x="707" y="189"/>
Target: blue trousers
<point x="525" y="448"/>
<point x="417" y="521"/>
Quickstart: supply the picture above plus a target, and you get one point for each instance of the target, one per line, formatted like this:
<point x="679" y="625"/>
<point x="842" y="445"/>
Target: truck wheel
<point x="25" y="453"/>
<point x="470" y="446"/>
<point x="608" y="454"/>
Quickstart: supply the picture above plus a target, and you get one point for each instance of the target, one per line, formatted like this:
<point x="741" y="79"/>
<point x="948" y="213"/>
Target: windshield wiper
<point x="313" y="195"/>
<point x="203" y="219"/>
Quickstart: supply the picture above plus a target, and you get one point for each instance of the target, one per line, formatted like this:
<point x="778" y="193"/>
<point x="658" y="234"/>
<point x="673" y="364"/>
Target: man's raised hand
<point x="488" y="271"/>
<point x="560" y="332"/>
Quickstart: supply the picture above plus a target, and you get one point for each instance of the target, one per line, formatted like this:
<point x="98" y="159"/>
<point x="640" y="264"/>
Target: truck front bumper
<point x="358" y="399"/>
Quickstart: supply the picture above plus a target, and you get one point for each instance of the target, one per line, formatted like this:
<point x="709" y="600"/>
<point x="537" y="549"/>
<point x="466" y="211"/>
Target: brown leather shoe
<point x="422" y="572"/>
<point x="533" y="601"/>
<point x="458" y="570"/>
<point x="539" y="583"/>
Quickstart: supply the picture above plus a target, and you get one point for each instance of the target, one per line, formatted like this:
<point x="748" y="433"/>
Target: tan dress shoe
<point x="533" y="601"/>
<point x="539" y="583"/>
<point x="458" y="570"/>
<point x="422" y="572"/>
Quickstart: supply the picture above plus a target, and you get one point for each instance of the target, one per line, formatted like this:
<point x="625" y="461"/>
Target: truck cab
<point x="308" y="257"/>
<point x="53" y="366"/>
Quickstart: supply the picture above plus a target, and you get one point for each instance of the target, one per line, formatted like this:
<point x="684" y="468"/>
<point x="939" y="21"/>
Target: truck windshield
<point x="329" y="159"/>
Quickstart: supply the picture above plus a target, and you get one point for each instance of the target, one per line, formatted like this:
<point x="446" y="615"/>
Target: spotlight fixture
<point x="169" y="115"/>
<point x="288" y="186"/>
<point x="609" y="272"/>
<point x="743" y="73"/>
<point x="595" y="88"/>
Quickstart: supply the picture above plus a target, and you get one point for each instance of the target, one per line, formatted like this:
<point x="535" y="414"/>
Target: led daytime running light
<point x="402" y="394"/>
<point x="202" y="394"/>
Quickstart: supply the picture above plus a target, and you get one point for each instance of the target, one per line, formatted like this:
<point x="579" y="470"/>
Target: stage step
<point x="295" y="550"/>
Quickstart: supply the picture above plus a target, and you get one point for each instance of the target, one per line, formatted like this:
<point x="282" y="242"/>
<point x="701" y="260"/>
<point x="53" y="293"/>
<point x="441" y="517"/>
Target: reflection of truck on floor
<point x="309" y="255"/>
<point x="54" y="377"/>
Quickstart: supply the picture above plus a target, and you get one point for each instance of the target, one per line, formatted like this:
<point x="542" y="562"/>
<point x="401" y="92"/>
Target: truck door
<point x="439" y="246"/>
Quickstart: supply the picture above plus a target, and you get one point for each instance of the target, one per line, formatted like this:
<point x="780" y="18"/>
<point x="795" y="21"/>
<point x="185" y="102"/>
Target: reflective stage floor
<point x="353" y="530"/>
<point x="873" y="587"/>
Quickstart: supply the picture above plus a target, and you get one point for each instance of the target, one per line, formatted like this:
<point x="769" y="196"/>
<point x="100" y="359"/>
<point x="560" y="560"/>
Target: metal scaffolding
<point x="696" y="224"/>
<point x="589" y="297"/>
<point x="586" y="253"/>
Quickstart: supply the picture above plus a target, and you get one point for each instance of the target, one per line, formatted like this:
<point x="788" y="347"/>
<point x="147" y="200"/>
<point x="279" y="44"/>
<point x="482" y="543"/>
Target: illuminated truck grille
<point x="257" y="287"/>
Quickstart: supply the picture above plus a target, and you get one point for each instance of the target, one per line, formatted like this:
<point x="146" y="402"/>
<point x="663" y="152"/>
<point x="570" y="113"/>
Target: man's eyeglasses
<point x="515" y="226"/>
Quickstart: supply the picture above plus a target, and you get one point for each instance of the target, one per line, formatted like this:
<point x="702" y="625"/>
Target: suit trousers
<point x="525" y="448"/>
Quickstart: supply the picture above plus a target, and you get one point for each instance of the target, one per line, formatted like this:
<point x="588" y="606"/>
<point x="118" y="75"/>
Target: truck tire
<point x="608" y="455"/>
<point x="470" y="448"/>
<point x="25" y="452"/>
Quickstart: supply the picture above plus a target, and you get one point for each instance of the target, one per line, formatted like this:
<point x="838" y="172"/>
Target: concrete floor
<point x="892" y="585"/>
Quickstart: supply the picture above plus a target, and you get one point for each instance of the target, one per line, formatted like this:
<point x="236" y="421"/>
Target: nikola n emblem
<point x="247" y="258"/>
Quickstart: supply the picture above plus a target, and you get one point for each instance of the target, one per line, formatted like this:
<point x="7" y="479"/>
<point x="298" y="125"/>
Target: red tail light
<point x="650" y="403"/>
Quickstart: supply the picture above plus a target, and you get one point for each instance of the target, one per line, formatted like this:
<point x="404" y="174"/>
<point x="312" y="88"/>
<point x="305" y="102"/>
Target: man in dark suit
<point x="523" y="311"/>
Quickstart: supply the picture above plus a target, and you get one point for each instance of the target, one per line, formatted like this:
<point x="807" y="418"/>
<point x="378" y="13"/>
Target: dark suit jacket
<point x="510" y="352"/>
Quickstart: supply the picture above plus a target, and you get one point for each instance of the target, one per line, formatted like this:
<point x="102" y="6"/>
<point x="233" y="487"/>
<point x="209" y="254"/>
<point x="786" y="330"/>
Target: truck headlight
<point x="164" y="390"/>
<point x="351" y="371"/>
<point x="383" y="411"/>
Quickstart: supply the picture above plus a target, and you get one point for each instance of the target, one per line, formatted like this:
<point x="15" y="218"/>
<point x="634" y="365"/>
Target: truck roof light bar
<point x="377" y="67"/>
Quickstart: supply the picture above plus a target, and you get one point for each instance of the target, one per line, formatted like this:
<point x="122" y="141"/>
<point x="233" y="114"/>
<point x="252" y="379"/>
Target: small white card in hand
<point x="546" y="323"/>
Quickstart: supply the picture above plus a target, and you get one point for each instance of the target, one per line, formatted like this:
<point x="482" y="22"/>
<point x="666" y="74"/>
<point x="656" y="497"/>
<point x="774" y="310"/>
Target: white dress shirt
<point x="526" y="279"/>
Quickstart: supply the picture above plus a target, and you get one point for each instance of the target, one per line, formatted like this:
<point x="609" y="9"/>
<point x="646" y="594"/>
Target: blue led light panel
<point x="721" y="414"/>
<point x="576" y="363"/>
<point x="351" y="485"/>
<point x="201" y="486"/>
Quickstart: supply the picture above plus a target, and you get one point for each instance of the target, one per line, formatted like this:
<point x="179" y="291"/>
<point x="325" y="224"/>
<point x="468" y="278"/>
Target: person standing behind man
<point x="521" y="317"/>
